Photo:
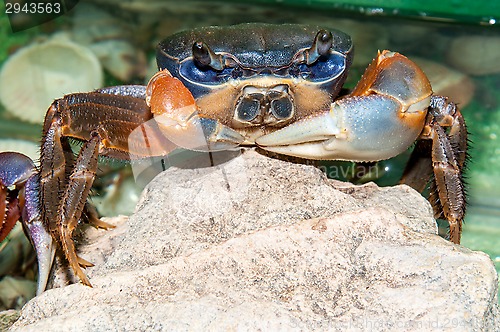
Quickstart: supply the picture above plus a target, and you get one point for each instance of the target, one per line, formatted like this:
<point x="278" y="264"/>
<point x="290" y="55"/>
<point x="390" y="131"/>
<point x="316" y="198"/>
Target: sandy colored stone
<point x="257" y="243"/>
<point x="475" y="55"/>
<point x="7" y="318"/>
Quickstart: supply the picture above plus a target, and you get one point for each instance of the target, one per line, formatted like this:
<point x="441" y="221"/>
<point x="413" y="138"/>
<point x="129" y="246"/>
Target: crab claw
<point x="380" y="119"/>
<point x="176" y="113"/>
<point x="41" y="239"/>
<point x="15" y="169"/>
<point x="18" y="172"/>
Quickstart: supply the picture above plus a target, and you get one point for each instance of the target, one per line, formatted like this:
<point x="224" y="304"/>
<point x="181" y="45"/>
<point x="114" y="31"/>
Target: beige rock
<point x="7" y="318"/>
<point x="262" y="244"/>
<point x="37" y="74"/>
<point x="475" y="55"/>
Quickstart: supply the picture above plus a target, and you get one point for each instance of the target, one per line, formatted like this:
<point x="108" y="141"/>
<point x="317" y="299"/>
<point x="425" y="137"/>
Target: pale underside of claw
<point x="198" y="133"/>
<point x="365" y="128"/>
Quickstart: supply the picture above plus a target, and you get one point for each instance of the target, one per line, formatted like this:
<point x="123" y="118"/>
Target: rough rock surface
<point x="258" y="243"/>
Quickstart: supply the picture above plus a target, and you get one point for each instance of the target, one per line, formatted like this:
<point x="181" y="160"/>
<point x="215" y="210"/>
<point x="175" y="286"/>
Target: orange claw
<point x="393" y="75"/>
<point x="167" y="95"/>
<point x="176" y="114"/>
<point x="391" y="69"/>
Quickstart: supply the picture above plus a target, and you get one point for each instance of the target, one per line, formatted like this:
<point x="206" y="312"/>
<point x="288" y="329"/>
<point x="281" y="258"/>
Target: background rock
<point x="475" y="55"/>
<point x="45" y="70"/>
<point x="448" y="82"/>
<point x="257" y="243"/>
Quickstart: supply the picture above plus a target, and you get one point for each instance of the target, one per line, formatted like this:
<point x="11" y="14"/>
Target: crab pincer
<point x="178" y="117"/>
<point x="19" y="200"/>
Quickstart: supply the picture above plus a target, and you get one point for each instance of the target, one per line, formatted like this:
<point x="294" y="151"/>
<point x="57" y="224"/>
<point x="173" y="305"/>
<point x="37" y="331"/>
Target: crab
<point x="276" y="87"/>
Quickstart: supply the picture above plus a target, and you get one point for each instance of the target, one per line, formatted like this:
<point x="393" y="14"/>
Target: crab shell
<point x="266" y="85"/>
<point x="258" y="48"/>
<point x="274" y="86"/>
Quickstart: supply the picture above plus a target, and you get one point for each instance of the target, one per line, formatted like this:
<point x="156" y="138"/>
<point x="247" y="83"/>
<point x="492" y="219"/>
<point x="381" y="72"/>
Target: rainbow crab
<point x="277" y="87"/>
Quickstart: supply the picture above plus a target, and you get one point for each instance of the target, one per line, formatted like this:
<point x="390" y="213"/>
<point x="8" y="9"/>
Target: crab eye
<point x="320" y="47"/>
<point x="323" y="69"/>
<point x="205" y="57"/>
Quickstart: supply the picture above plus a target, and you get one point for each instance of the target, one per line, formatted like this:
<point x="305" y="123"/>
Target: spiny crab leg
<point x="178" y="117"/>
<point x="381" y="118"/>
<point x="104" y="120"/>
<point x="444" y="157"/>
<point x="21" y="202"/>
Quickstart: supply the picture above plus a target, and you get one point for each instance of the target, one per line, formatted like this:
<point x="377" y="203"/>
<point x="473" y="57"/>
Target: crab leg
<point x="104" y="120"/>
<point x="381" y="118"/>
<point x="446" y="114"/>
<point x="71" y="206"/>
<point x="448" y="178"/>
<point x="178" y="117"/>
<point x="448" y="152"/>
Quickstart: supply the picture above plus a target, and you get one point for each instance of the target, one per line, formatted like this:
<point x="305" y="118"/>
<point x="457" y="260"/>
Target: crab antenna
<point x="205" y="57"/>
<point x="321" y="46"/>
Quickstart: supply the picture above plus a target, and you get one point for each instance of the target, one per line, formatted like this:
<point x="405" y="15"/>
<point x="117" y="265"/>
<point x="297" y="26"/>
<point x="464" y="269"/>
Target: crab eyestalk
<point x="321" y="47"/>
<point x="205" y="57"/>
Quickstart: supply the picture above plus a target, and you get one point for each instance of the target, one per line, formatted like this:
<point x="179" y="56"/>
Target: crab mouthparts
<point x="258" y="106"/>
